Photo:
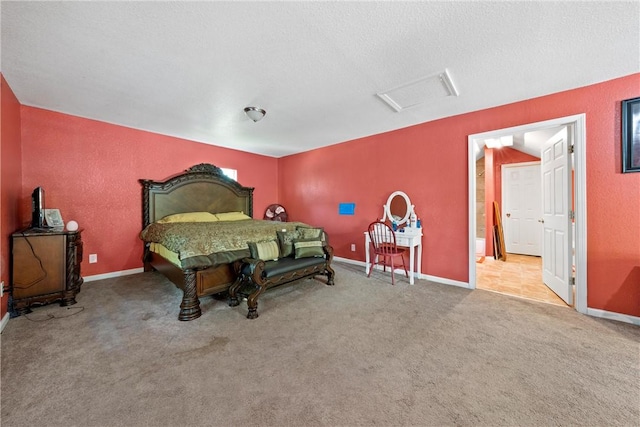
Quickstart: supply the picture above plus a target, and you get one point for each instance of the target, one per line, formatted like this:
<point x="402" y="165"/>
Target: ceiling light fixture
<point x="256" y="114"/>
<point x="503" y="141"/>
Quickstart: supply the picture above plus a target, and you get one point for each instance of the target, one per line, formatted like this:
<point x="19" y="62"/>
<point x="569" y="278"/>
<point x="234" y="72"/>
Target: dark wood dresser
<point x="45" y="268"/>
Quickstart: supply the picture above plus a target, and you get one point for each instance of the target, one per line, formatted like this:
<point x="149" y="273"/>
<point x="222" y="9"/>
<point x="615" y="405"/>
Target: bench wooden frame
<point x="256" y="272"/>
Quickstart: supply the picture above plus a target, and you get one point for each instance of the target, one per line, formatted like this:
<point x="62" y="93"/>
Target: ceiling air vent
<point x="419" y="91"/>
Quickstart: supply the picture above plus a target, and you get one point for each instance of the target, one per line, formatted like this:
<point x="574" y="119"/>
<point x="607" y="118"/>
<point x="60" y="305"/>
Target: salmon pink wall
<point x="424" y="164"/>
<point x="10" y="179"/>
<point x="429" y="162"/>
<point x="90" y="171"/>
<point x="494" y="159"/>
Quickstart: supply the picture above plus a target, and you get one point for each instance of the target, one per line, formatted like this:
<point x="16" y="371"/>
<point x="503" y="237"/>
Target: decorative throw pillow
<point x="306" y="248"/>
<point x="266" y="250"/>
<point x="286" y="239"/>
<point x="311" y="233"/>
<point x="231" y="216"/>
<point x="189" y="217"/>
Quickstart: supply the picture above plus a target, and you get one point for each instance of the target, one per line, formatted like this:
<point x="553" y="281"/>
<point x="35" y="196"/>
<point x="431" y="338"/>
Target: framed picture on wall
<point x="631" y="135"/>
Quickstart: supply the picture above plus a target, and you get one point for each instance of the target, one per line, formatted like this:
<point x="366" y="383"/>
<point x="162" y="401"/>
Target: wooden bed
<point x="201" y="188"/>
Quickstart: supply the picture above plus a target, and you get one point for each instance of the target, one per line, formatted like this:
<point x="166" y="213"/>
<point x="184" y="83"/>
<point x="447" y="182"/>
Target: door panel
<point x="522" y="208"/>
<point x="556" y="174"/>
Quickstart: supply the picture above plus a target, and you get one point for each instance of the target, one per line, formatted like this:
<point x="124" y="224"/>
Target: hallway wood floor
<point x="520" y="275"/>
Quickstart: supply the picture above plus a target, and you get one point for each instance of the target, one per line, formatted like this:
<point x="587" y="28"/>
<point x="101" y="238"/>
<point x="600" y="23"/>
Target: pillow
<point x="231" y="216"/>
<point x="286" y="238"/>
<point x="306" y="248"/>
<point x="310" y="233"/>
<point x="265" y="250"/>
<point x="189" y="217"/>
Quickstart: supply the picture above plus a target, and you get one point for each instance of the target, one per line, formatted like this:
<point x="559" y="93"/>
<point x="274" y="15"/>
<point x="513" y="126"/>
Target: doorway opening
<point x="519" y="276"/>
<point x="576" y="128"/>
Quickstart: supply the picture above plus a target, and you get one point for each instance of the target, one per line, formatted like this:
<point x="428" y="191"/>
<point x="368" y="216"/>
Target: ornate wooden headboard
<point x="201" y="188"/>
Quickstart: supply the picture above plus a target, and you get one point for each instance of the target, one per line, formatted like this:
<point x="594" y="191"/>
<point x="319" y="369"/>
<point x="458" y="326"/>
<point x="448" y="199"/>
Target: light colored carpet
<point x="360" y="353"/>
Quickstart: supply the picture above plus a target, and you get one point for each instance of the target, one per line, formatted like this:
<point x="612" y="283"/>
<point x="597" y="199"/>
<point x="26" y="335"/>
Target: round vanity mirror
<point x="398" y="207"/>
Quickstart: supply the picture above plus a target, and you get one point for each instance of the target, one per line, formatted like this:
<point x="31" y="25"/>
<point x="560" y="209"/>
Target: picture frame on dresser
<point x="631" y="135"/>
<point x="53" y="218"/>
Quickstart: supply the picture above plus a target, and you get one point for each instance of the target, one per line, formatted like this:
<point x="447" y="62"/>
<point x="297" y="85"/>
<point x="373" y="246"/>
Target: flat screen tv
<point x="37" y="208"/>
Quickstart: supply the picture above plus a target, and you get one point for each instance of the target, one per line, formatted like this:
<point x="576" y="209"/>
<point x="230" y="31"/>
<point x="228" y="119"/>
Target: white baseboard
<point x="93" y="278"/>
<point x="590" y="311"/>
<point x="419" y="276"/>
<point x="4" y="322"/>
<point x="603" y="314"/>
<point x="349" y="261"/>
<point x="445" y="281"/>
<point x="112" y="274"/>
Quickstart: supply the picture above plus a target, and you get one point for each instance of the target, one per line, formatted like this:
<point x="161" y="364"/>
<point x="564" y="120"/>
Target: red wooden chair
<point x="384" y="248"/>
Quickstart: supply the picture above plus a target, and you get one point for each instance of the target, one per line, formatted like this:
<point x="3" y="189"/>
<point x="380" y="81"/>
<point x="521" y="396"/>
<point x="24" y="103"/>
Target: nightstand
<point x="45" y="268"/>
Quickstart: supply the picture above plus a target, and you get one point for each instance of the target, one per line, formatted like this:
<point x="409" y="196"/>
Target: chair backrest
<point x="382" y="237"/>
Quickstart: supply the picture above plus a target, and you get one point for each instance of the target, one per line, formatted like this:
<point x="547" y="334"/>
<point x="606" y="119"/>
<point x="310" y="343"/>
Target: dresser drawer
<point x="402" y="240"/>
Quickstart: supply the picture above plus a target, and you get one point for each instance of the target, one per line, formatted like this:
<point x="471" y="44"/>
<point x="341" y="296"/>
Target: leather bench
<point x="254" y="276"/>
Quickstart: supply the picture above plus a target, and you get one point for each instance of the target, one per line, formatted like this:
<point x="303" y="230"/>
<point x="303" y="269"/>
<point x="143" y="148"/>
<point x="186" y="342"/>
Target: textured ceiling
<point x="188" y="69"/>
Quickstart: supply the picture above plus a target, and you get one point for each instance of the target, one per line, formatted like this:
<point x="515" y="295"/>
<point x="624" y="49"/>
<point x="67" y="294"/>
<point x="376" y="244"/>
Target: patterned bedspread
<point x="203" y="244"/>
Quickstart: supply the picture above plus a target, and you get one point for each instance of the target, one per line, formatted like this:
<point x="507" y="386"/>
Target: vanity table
<point x="409" y="238"/>
<point x="400" y="210"/>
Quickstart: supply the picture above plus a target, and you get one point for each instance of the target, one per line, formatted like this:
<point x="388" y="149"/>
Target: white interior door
<point x="521" y="199"/>
<point x="557" y="240"/>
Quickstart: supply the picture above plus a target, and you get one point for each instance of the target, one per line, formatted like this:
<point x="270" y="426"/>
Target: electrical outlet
<point x="1" y="288"/>
<point x="353" y="247"/>
<point x="93" y="258"/>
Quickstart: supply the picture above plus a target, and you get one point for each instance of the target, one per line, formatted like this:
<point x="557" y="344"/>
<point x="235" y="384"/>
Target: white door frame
<point x="578" y="125"/>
